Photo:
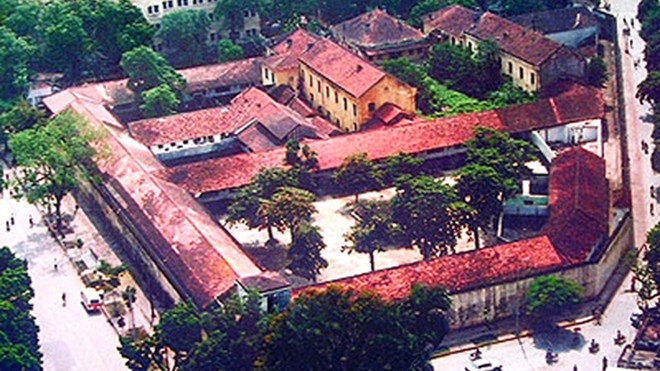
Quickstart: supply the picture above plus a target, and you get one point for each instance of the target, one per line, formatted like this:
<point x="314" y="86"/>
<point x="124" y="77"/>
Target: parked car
<point x="484" y="365"/>
<point x="91" y="300"/>
<point x="647" y="344"/>
<point x="636" y="319"/>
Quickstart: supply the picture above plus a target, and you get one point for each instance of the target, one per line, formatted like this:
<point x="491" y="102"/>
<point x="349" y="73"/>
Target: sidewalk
<point x="93" y="242"/>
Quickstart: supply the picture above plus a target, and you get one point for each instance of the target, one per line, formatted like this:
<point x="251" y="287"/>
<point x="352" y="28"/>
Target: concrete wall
<point x="505" y="300"/>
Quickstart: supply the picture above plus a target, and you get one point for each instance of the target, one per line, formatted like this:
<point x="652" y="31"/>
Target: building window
<point x="521" y="73"/>
<point x="336" y="97"/>
<point x="470" y="45"/>
<point x="372" y="106"/>
<point x="311" y="81"/>
<point x="151" y="9"/>
<point x="354" y="110"/>
<point x="318" y="85"/>
<point x="532" y="78"/>
<point x="345" y="104"/>
<point x="182" y="2"/>
<point x="311" y="97"/>
<point x="212" y="17"/>
<point x="327" y="92"/>
<point x="266" y="74"/>
<point x="214" y="37"/>
<point x="355" y="126"/>
<point x="168" y="4"/>
<point x="510" y="68"/>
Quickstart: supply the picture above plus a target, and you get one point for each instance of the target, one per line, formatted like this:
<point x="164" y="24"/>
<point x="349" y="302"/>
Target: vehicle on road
<point x="91" y="300"/>
<point x="484" y="365"/>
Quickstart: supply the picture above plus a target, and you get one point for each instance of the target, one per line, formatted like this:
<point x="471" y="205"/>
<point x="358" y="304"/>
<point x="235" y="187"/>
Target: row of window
<point x="327" y="93"/>
<point x="169" y="4"/>
<point x="412" y="53"/>
<point x="521" y="73"/>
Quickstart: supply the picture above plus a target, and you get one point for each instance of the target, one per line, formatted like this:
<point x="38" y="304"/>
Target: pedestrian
<point x="650" y="209"/>
<point x="604" y="363"/>
<point x="64" y="299"/>
<point x="575" y="368"/>
<point x="55" y="263"/>
<point x="631" y="44"/>
<point x="7" y="224"/>
<point x="597" y="316"/>
<point x="32" y="221"/>
<point x="11" y="219"/>
<point x="633" y="281"/>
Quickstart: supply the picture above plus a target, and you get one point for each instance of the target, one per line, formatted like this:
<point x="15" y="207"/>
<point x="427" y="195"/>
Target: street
<point x="528" y="353"/>
<point x="70" y="339"/>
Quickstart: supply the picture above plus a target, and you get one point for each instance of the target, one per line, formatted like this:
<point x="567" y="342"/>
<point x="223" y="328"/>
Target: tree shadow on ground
<point x="558" y="339"/>
<point x="272" y="257"/>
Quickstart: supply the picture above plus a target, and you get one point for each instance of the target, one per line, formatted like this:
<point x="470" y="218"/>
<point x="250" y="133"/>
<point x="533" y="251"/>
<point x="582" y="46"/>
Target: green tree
<point x="429" y="215"/>
<point x="14" y="56"/>
<point x="303" y="162"/>
<point x="51" y="156"/>
<point x="357" y="174"/>
<point x="484" y="191"/>
<point x="649" y="89"/>
<point x="288" y="207"/>
<point x="305" y="251"/>
<point x="372" y="231"/>
<point x="146" y="70"/>
<point x="21" y="116"/>
<point x="402" y="165"/>
<point x="652" y="52"/>
<point x="24" y="19"/>
<point x="496" y="149"/>
<point x="424" y="313"/>
<point x="184" y="34"/>
<point x="246" y="204"/>
<point x="647" y="273"/>
<point x="550" y="296"/>
<point x="228" y="51"/>
<point x="487" y="63"/>
<point x="65" y="42"/>
<point x="129" y="297"/>
<point x="140" y="355"/>
<point x="231" y="13"/>
<point x="180" y="329"/>
<point x="650" y="23"/>
<point x="159" y="101"/>
<point x="508" y="94"/>
<point x="515" y="7"/>
<point x="453" y="66"/>
<point x="597" y="72"/>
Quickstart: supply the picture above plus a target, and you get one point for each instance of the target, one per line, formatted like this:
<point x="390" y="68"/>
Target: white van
<point x="91" y="300"/>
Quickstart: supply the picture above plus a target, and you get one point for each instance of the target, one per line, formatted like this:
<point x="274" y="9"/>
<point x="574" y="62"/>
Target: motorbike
<point x="475" y="355"/>
<point x="594" y="347"/>
<point x="551" y="357"/>
<point x="619" y="338"/>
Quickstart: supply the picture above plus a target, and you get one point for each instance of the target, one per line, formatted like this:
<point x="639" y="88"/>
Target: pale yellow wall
<point x="530" y="74"/>
<point x="287" y="77"/>
<point x="347" y="111"/>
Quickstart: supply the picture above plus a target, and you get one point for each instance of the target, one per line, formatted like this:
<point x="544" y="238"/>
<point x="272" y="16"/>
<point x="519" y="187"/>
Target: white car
<point x="484" y="365"/>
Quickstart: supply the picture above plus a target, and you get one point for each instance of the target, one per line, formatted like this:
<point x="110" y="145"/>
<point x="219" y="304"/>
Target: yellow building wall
<point x="349" y="112"/>
<point x="523" y="74"/>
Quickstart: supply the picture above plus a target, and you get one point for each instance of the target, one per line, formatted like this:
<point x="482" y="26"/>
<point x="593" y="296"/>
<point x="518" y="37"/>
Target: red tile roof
<point x="240" y="72"/>
<point x="421" y="136"/>
<point x="453" y="20"/>
<point x="458" y="272"/>
<point x="288" y="51"/>
<point x="526" y="44"/>
<point x="252" y="104"/>
<point x="579" y="203"/>
<point x="376" y="29"/>
<point x="345" y="69"/>
<point x="200" y="256"/>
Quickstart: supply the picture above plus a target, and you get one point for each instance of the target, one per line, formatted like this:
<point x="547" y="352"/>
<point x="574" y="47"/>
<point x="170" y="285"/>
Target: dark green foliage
<point x="303" y="162"/>
<point x="515" y="7"/>
<point x="228" y="51"/>
<point x="180" y="329"/>
<point x="550" y="295"/>
<point x="509" y="94"/>
<point x="597" y="72"/>
<point x="19" y="344"/>
<point x="357" y="174"/>
<point x="343" y="330"/>
<point x="159" y="101"/>
<point x="146" y="70"/>
<point x="429" y="214"/>
<point x="373" y="229"/>
<point x="231" y="13"/>
<point x="184" y="34"/>
<point x="402" y="165"/>
<point x="14" y="56"/>
<point x="649" y="89"/>
<point x="305" y="251"/>
<point x="655" y="159"/>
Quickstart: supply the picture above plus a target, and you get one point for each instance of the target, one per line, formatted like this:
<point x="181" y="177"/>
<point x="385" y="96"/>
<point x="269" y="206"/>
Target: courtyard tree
<point x="159" y="101"/>
<point x="424" y="313"/>
<point x="496" y="149"/>
<point x="550" y="296"/>
<point x="357" y="174"/>
<point x="429" y="214"/>
<point x="649" y="89"/>
<point x="184" y="34"/>
<point x="484" y="192"/>
<point x="372" y="231"/>
<point x="303" y="162"/>
<point x="146" y="70"/>
<point x="231" y="13"/>
<point x="402" y="165"/>
<point x="288" y="208"/>
<point x="247" y="202"/>
<point x="305" y="251"/>
<point x="228" y="51"/>
<point x="51" y="157"/>
<point x="647" y="272"/>
<point x="15" y="54"/>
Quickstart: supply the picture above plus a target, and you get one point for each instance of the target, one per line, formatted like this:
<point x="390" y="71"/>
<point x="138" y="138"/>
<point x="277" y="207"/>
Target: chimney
<point x="309" y="46"/>
<point x="366" y="27"/>
<point x="289" y="42"/>
<point x="359" y="68"/>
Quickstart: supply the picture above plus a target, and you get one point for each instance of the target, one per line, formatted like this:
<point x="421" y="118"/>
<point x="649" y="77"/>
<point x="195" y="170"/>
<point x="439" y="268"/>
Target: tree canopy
<point x="305" y="251"/>
<point x="50" y="156"/>
<point x="19" y="344"/>
<point x="372" y="231"/>
<point x="228" y="51"/>
<point x="15" y="53"/>
<point x="357" y="174"/>
<point x="146" y="70"/>
<point x="159" y="101"/>
<point x="184" y="34"/>
<point x="549" y="295"/>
